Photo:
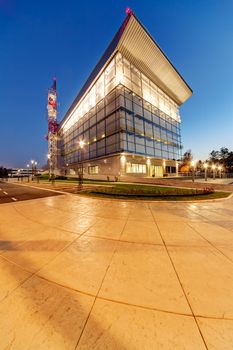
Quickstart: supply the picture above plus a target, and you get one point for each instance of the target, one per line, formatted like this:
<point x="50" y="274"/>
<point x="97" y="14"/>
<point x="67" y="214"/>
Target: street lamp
<point x="220" y="171"/>
<point x="35" y="167"/>
<point x="66" y="169"/>
<point x="28" y="165"/>
<point x="37" y="177"/>
<point x="80" y="175"/>
<point x="213" y="167"/>
<point x="193" y="168"/>
<point x="32" y="162"/>
<point x="205" y="167"/>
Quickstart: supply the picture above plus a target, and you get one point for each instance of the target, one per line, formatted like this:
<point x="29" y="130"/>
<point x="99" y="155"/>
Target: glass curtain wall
<point x="121" y="71"/>
<point x="123" y="111"/>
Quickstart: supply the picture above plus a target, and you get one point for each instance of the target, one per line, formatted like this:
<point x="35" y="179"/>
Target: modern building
<point x="127" y="112"/>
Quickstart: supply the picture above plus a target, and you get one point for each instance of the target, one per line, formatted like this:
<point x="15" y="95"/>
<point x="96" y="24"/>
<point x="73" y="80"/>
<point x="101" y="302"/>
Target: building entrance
<point x="156" y="171"/>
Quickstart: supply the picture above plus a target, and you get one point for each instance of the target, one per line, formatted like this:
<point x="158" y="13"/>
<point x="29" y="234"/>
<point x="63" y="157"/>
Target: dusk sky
<point x="42" y="39"/>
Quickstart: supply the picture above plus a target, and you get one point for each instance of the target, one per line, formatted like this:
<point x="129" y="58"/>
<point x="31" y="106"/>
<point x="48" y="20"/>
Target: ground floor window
<point x="171" y="169"/>
<point x="134" y="168"/>
<point x="93" y="170"/>
<point x="156" y="171"/>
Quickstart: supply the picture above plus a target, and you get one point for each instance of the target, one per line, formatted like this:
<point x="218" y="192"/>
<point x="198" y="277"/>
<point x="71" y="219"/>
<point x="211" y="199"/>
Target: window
<point x="148" y="129"/>
<point x="111" y="124"/>
<point x="137" y="109"/>
<point x="139" y="127"/>
<point x="93" y="169"/>
<point x="132" y="168"/>
<point x="111" y="106"/>
<point x="101" y="129"/>
<point x="129" y="122"/>
<point x="112" y="144"/>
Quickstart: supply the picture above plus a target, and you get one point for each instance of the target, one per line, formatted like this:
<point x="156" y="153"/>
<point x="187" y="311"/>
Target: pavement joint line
<point x="20" y="202"/>
<point x="212" y="245"/>
<point x="108" y="299"/>
<point x="35" y="273"/>
<point x="40" y="223"/>
<point x="101" y="284"/>
<point x="181" y="285"/>
<point x="32" y="274"/>
<point x="211" y="221"/>
<point x="149" y="243"/>
<point x="96" y="296"/>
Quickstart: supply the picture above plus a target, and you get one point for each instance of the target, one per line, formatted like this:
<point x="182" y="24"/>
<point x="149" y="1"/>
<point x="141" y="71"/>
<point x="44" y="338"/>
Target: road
<point x="10" y="192"/>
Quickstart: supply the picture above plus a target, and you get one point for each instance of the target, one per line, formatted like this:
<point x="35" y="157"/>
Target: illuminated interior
<point x="121" y="71"/>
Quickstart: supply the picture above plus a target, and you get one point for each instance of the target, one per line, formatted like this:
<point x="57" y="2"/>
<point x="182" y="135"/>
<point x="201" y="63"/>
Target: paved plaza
<point x="83" y="273"/>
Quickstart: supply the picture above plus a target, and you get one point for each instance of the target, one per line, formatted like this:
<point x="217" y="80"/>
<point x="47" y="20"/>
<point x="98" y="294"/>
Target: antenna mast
<point x="52" y="129"/>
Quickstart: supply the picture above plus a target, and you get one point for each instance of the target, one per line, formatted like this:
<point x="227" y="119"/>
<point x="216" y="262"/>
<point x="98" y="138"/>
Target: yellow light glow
<point x="123" y="159"/>
<point x="205" y="165"/>
<point x="119" y="78"/>
<point x="81" y="144"/>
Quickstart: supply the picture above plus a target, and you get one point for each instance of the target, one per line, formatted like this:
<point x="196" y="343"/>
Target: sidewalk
<point x="83" y="273"/>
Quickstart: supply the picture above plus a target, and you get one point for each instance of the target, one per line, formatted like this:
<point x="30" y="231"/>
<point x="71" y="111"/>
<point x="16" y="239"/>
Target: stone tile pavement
<point x="83" y="273"/>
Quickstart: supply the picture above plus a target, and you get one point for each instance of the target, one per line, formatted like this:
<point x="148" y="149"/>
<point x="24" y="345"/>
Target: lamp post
<point x="193" y="170"/>
<point x="28" y="171"/>
<point x="205" y="167"/>
<point x="32" y="162"/>
<point x="213" y="167"/>
<point x="66" y="169"/>
<point x="37" y="177"/>
<point x="220" y="171"/>
<point x="80" y="175"/>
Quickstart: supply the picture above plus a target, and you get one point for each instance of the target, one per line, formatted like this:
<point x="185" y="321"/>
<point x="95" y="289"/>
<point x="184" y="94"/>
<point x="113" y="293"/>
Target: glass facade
<point x="124" y="111"/>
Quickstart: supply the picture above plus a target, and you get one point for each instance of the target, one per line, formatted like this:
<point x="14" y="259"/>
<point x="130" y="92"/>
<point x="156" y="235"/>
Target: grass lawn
<point x="132" y="191"/>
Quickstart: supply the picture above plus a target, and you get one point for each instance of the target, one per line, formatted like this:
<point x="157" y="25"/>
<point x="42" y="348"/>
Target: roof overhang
<point x="136" y="44"/>
<point x="140" y="49"/>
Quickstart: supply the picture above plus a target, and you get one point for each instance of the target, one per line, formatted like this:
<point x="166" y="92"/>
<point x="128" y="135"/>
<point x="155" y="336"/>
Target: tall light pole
<point x="32" y="162"/>
<point x="28" y="165"/>
<point x="220" y="171"/>
<point x="193" y="170"/>
<point x="80" y="177"/>
<point x="213" y="167"/>
<point x="205" y="167"/>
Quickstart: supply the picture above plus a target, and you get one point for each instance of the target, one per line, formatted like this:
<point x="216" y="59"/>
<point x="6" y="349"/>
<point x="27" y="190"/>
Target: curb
<point x="134" y="200"/>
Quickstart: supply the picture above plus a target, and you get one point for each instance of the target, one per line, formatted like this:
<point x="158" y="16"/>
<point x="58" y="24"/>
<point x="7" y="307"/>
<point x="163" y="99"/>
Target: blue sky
<point x="40" y="39"/>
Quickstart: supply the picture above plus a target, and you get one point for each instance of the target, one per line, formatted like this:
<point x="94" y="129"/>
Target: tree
<point x="224" y="154"/>
<point x="3" y="172"/>
<point x="199" y="165"/>
<point x="228" y="162"/>
<point x="223" y="157"/>
<point x="214" y="157"/>
<point x="186" y="161"/>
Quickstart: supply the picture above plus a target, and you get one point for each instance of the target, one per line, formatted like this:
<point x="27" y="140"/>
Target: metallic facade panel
<point x="140" y="49"/>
